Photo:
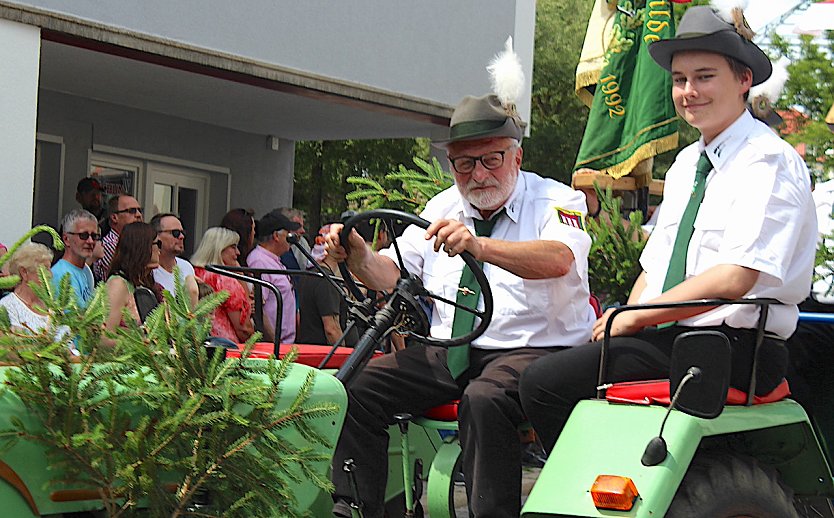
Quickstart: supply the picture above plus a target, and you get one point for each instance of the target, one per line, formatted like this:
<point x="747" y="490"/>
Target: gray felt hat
<point x="482" y="117"/>
<point x="702" y="29"/>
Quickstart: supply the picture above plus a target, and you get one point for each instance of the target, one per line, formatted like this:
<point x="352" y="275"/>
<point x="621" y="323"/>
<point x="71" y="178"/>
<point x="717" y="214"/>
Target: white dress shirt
<point x="757" y="212"/>
<point x="534" y="313"/>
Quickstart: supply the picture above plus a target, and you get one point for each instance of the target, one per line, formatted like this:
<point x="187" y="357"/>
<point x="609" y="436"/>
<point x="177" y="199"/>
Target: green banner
<point x="632" y="117"/>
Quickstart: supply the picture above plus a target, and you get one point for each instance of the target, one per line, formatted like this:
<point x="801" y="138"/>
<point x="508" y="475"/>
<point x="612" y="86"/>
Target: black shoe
<point x="341" y="509"/>
<point x="458" y="478"/>
<point x="533" y="455"/>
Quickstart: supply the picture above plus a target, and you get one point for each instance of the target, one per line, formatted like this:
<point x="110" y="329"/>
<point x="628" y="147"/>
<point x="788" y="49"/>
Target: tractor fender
<point x="602" y="438"/>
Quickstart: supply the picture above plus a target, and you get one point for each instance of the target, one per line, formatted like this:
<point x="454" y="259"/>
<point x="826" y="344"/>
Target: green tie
<point x="677" y="263"/>
<point x="469" y="293"/>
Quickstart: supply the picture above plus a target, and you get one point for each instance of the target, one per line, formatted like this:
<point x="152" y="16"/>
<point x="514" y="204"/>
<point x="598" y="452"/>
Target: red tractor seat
<point x="308" y="354"/>
<point x="657" y="392"/>
<point x="445" y="412"/>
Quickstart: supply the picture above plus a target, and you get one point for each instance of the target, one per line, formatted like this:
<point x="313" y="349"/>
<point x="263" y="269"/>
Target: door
<point x="182" y="191"/>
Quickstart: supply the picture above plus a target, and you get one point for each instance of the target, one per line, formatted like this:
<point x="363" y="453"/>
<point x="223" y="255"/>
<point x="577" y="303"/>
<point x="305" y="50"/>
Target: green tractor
<point x="687" y="447"/>
<point x="31" y="485"/>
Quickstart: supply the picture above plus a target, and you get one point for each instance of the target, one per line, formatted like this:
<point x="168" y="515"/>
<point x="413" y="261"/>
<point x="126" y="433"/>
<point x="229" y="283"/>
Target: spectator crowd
<point x="109" y="242"/>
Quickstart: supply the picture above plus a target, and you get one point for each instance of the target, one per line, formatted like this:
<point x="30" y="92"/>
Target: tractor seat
<point x="445" y="412"/>
<point x="657" y="392"/>
<point x="308" y="354"/>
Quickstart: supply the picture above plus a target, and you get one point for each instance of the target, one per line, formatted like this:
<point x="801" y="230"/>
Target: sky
<point x="759" y="13"/>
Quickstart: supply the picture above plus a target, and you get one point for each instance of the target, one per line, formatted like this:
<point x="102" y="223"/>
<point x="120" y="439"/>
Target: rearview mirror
<point x="709" y="351"/>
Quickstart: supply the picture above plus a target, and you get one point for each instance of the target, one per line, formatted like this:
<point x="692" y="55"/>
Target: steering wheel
<point x="410" y="287"/>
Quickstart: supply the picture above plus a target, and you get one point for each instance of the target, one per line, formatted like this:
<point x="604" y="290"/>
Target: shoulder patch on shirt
<point x="571" y="218"/>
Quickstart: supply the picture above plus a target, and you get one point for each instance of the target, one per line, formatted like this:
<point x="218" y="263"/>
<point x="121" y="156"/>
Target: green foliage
<point x="809" y="89"/>
<point x="323" y="167"/>
<point x="157" y="418"/>
<point x="614" y="259"/>
<point x="404" y="189"/>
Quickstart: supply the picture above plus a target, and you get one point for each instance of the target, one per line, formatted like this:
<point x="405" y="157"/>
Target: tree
<point x="158" y="425"/>
<point x="322" y="169"/>
<point x="557" y="117"/>
<point x="810" y="90"/>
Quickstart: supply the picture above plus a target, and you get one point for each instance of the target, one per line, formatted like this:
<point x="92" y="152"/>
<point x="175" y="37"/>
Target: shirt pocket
<point x="707" y="239"/>
<point x="517" y="297"/>
<point x="444" y="283"/>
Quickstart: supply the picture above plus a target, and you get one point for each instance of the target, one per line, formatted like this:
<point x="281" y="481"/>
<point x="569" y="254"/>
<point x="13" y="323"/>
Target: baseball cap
<point x="275" y="221"/>
<point x="88" y="184"/>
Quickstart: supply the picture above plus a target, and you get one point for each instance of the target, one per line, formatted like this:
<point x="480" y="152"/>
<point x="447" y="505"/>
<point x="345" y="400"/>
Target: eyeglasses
<point x="83" y="236"/>
<point x="133" y="211"/>
<point x="466" y="164"/>
<point x="175" y="232"/>
<point x="157" y="243"/>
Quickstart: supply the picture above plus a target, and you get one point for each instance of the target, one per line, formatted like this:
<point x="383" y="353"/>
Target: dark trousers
<point x="416" y="379"/>
<point x="553" y="385"/>
<point x="809" y="374"/>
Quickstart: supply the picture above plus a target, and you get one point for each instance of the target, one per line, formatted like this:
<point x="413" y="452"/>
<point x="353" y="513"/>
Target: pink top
<point x="238" y="300"/>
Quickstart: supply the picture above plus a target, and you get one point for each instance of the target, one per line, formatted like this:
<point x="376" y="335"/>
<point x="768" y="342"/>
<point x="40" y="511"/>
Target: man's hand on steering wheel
<point x="333" y="246"/>
<point x="454" y="237"/>
<point x="450" y="235"/>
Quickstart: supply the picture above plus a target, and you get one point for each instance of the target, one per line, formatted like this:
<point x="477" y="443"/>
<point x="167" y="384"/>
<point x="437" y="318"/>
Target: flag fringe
<point x="647" y="150"/>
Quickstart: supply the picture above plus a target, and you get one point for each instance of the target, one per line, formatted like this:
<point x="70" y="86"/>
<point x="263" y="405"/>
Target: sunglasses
<point x="83" y="236"/>
<point x="157" y="243"/>
<point x="177" y="233"/>
<point x="133" y="211"/>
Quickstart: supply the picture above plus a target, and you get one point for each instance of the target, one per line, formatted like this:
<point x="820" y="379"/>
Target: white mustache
<point x="472" y="184"/>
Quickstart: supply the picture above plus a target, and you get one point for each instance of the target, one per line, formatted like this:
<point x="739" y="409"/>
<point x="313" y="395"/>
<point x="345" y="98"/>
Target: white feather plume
<point x="772" y="88"/>
<point x="506" y="75"/>
<point x="724" y="8"/>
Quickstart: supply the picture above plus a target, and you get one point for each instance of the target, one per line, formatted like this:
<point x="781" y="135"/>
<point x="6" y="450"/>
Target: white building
<point x="194" y="106"/>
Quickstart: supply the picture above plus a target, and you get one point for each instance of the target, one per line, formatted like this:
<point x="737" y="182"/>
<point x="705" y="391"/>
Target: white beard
<point x="490" y="199"/>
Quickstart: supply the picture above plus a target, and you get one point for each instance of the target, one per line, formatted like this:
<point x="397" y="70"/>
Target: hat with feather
<point x="764" y="96"/>
<point x="495" y="114"/>
<point x="719" y="28"/>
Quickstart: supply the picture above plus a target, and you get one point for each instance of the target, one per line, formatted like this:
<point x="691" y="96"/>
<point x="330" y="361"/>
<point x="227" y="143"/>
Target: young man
<point x="88" y="195"/>
<point x="536" y="262"/>
<point x="272" y="234"/>
<point x="122" y="210"/>
<point x="753" y="234"/>
<point x="170" y="232"/>
<point x="80" y="234"/>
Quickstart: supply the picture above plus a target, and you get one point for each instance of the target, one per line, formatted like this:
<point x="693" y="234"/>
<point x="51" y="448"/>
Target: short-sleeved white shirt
<point x="166" y="279"/>
<point x="757" y="212"/>
<point x="534" y="313"/>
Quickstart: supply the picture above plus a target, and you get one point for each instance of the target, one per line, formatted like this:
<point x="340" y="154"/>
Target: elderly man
<point x="172" y="236"/>
<point x="737" y="221"/>
<point x="536" y="262"/>
<point x="80" y="234"/>
<point x="272" y="235"/>
<point x="122" y="210"/>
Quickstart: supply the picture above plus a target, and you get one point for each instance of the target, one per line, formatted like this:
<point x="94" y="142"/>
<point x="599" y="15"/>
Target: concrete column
<point x="19" y="64"/>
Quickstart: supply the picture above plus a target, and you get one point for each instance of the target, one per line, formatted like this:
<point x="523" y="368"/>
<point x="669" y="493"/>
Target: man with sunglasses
<point x="80" y="234"/>
<point x="122" y="210"/>
<point x="535" y="259"/>
<point x="172" y="239"/>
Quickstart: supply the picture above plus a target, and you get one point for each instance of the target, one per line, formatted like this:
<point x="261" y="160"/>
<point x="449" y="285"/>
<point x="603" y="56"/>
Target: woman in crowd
<point x="242" y="222"/>
<point x="233" y="318"/>
<point x="25" y="309"/>
<point x="130" y="283"/>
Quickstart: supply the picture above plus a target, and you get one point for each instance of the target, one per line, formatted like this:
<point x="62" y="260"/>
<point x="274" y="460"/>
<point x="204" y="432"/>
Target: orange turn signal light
<point x="614" y="492"/>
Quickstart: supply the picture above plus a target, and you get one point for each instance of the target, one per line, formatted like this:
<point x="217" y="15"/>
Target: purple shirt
<point x="260" y="257"/>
